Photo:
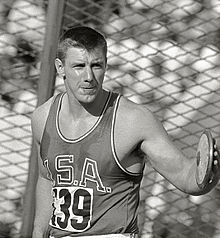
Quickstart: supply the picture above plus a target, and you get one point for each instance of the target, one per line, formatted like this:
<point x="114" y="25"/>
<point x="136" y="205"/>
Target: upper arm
<point x="38" y="122"/>
<point x="44" y="185"/>
<point x="138" y="128"/>
<point x="44" y="199"/>
<point x="161" y="151"/>
<point x="156" y="142"/>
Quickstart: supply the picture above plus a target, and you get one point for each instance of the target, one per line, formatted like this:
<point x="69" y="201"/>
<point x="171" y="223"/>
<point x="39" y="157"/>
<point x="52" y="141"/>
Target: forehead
<point x="80" y="54"/>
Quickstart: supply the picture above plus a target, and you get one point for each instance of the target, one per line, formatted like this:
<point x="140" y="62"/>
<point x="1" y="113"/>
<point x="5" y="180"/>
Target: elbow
<point x="40" y="231"/>
<point x="196" y="190"/>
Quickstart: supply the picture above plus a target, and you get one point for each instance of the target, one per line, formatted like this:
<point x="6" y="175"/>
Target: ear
<point x="59" y="67"/>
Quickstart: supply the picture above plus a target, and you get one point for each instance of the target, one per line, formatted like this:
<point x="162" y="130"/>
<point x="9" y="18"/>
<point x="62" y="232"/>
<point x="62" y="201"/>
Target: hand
<point x="208" y="162"/>
<point x="216" y="163"/>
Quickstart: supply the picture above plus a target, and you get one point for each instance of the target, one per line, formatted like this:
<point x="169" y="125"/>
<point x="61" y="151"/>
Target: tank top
<point x="92" y="193"/>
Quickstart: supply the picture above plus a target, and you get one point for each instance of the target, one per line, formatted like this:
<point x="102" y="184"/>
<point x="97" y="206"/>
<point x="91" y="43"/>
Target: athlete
<point x="93" y="146"/>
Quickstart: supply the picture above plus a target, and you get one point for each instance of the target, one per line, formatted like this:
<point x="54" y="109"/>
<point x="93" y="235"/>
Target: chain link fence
<point x="162" y="53"/>
<point x="22" y="28"/>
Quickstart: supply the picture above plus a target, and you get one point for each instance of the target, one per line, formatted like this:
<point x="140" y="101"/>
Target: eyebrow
<point x="82" y="61"/>
<point x="97" y="61"/>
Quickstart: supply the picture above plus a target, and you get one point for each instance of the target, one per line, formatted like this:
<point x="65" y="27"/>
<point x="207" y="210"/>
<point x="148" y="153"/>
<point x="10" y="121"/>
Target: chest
<point x="74" y="129"/>
<point x="71" y="161"/>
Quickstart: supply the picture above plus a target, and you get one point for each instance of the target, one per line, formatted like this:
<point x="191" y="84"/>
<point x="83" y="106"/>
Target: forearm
<point x="41" y="226"/>
<point x="191" y="184"/>
<point x="39" y="233"/>
<point x="43" y="208"/>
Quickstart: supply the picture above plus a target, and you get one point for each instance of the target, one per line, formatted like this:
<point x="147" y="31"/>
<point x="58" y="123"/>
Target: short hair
<point x="82" y="37"/>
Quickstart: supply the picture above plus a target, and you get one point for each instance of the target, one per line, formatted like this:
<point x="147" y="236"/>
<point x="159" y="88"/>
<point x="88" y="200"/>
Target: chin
<point x="87" y="98"/>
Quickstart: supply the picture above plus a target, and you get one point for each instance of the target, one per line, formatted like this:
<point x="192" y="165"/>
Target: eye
<point x="79" y="66"/>
<point x="97" y="65"/>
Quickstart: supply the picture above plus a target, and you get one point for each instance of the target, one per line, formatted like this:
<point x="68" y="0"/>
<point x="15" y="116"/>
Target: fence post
<point x="45" y="91"/>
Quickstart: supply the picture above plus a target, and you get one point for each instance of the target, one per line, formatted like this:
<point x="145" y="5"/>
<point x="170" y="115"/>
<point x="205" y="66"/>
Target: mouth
<point x="89" y="90"/>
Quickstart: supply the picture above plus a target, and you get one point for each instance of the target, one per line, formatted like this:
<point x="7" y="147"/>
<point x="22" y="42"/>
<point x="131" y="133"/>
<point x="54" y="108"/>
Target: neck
<point x="79" y="110"/>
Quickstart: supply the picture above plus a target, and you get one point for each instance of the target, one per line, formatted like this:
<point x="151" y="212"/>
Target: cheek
<point x="77" y="73"/>
<point x="74" y="75"/>
<point x="100" y="76"/>
<point x="70" y="82"/>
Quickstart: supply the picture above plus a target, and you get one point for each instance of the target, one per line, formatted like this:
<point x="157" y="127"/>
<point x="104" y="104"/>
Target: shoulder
<point x="132" y="108"/>
<point x="131" y="111"/>
<point x="39" y="118"/>
<point x="137" y="118"/>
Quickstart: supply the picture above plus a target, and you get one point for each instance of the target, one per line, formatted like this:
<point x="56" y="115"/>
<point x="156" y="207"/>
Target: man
<point x="92" y="147"/>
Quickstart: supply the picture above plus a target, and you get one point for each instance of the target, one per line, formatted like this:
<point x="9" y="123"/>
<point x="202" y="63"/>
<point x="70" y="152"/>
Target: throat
<point x="75" y="130"/>
<point x="72" y="127"/>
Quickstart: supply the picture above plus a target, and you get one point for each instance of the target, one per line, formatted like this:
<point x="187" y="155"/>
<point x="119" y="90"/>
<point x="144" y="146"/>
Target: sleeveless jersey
<point x="92" y="193"/>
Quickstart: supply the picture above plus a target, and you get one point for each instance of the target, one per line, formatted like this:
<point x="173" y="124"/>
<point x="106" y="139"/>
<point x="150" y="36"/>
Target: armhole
<point x="113" y="141"/>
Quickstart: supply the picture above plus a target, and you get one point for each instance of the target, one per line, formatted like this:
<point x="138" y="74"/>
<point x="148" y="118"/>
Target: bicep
<point x="42" y="169"/>
<point x="161" y="151"/>
<point x="37" y="124"/>
<point x="44" y="196"/>
<point x="43" y="193"/>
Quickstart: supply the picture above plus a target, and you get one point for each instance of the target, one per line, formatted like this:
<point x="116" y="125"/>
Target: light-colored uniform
<point x="92" y="193"/>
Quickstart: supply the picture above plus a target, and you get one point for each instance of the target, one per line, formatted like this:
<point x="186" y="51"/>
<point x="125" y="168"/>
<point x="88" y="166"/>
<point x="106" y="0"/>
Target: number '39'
<point x="72" y="208"/>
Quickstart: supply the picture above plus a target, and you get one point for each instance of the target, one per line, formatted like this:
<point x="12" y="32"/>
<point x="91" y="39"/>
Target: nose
<point x="89" y="75"/>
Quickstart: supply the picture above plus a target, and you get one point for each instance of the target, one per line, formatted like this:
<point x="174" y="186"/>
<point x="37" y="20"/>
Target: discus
<point x="204" y="157"/>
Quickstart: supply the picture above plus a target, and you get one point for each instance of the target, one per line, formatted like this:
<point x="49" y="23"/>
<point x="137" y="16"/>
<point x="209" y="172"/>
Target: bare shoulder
<point x="133" y="109"/>
<point x="39" y="117"/>
<point x="136" y="117"/>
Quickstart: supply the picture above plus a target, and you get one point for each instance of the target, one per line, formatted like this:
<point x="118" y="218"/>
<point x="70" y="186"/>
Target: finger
<point x="216" y="157"/>
<point x="215" y="162"/>
<point x="216" y="153"/>
<point x="214" y="142"/>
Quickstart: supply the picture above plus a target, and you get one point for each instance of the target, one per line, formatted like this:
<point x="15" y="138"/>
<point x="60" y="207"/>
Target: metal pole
<point x="45" y="91"/>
